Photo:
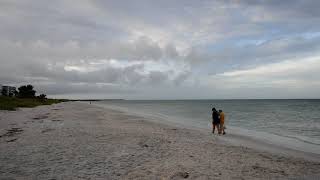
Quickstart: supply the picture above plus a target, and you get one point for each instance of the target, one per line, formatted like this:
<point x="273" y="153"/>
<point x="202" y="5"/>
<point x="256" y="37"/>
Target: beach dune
<point x="81" y="141"/>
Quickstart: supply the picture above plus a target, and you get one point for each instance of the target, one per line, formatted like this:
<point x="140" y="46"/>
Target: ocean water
<point x="295" y="123"/>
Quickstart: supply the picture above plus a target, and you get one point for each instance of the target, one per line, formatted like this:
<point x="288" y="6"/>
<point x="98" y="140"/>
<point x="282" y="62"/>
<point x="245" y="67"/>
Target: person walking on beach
<point x="215" y="120"/>
<point x="222" y="126"/>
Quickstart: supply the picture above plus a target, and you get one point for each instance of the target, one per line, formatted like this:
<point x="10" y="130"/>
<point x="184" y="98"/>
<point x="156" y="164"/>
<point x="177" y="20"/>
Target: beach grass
<point x="11" y="103"/>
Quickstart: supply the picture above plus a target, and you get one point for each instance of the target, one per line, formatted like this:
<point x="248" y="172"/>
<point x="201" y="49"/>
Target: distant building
<point x="8" y="90"/>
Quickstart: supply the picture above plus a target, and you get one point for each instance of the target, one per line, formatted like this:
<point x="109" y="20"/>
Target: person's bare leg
<point x="213" y="126"/>
<point x="219" y="128"/>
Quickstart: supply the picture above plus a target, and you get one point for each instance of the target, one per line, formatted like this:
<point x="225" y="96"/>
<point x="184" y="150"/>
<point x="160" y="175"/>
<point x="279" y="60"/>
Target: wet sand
<point x="79" y="141"/>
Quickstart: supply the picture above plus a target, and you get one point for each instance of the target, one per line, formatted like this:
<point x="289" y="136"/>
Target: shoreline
<point x="77" y="140"/>
<point x="260" y="143"/>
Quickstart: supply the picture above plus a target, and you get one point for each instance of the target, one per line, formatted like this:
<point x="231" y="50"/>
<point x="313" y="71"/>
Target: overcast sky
<point x="152" y="49"/>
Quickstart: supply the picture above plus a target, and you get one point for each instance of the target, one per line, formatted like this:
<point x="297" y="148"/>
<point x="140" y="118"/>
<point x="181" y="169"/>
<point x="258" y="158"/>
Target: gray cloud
<point x="67" y="88"/>
<point x="121" y="47"/>
<point x="308" y="8"/>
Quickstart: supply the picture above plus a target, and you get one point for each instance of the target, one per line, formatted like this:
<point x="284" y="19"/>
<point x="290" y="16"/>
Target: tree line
<point x="25" y="91"/>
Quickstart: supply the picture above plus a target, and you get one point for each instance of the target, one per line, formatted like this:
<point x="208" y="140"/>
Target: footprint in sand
<point x="46" y="130"/>
<point x="41" y="117"/>
<point x="12" y="140"/>
<point x="184" y="175"/>
<point x="12" y="132"/>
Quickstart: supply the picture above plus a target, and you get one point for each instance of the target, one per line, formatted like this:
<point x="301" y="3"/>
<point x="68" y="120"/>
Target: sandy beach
<point x="80" y="141"/>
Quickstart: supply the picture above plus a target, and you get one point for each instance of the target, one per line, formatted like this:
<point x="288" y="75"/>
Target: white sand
<point x="78" y="141"/>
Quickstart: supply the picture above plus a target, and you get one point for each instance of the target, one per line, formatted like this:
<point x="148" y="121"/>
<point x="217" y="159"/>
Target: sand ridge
<point x="78" y="141"/>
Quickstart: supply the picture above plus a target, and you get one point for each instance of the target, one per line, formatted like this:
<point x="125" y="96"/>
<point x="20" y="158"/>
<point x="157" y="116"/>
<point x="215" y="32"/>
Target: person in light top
<point x="222" y="118"/>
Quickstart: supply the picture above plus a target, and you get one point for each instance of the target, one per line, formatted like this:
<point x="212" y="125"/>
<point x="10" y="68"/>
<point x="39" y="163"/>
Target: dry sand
<point x="80" y="141"/>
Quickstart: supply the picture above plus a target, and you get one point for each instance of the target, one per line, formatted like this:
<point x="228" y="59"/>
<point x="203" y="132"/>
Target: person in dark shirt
<point x="215" y="120"/>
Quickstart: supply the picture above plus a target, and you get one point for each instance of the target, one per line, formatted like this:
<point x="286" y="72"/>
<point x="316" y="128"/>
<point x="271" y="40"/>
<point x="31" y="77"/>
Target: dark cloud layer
<point x="159" y="49"/>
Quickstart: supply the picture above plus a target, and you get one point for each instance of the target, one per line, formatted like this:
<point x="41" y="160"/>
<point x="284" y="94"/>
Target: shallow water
<point x="292" y="122"/>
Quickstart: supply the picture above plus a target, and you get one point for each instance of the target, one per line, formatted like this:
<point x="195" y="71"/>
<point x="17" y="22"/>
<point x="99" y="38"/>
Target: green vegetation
<point x="25" y="97"/>
<point x="11" y="103"/>
<point x="26" y="91"/>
